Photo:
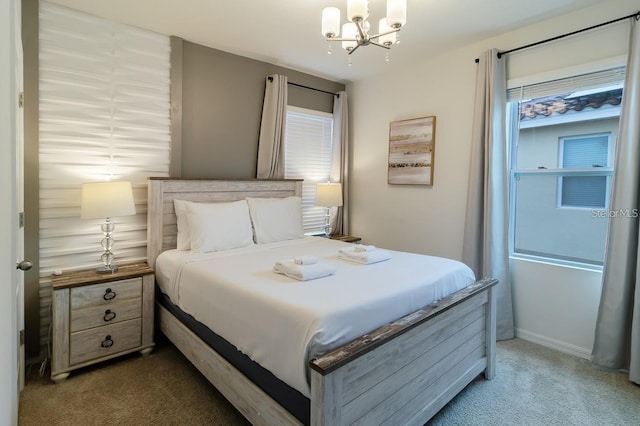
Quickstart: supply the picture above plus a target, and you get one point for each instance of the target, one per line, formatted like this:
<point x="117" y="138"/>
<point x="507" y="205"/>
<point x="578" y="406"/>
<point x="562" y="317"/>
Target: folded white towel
<point x="304" y="272"/>
<point x="364" y="257"/>
<point x="305" y="260"/>
<point x="362" y="247"/>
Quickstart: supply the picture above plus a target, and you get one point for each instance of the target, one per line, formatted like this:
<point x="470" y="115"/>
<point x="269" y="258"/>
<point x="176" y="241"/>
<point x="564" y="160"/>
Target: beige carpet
<point x="533" y="386"/>
<point x="162" y="388"/>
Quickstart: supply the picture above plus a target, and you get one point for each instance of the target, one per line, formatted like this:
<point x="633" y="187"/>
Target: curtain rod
<point x="310" y="88"/>
<point x="636" y="15"/>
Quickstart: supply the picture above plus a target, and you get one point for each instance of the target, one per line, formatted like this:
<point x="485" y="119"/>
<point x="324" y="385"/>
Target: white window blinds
<point x="104" y="115"/>
<point x="308" y="156"/>
<point x="613" y="77"/>
<point x="585" y="151"/>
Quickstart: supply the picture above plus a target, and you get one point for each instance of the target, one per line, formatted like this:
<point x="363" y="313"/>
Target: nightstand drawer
<point x="115" y="312"/>
<point x="106" y="293"/>
<point x="103" y="341"/>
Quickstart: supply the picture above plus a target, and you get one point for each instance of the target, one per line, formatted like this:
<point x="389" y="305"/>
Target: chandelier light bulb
<point x="366" y="26"/>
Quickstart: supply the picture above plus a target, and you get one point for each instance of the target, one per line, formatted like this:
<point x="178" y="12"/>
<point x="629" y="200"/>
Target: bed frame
<point x="401" y="373"/>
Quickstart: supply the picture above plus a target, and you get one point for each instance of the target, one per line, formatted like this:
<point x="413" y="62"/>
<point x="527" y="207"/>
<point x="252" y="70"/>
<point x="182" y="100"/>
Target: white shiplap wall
<point x="104" y="115"/>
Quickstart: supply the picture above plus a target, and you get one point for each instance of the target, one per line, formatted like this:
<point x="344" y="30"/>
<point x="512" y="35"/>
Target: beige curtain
<point x="617" y="338"/>
<point x="340" y="161"/>
<point x="272" y="129"/>
<point x="485" y="246"/>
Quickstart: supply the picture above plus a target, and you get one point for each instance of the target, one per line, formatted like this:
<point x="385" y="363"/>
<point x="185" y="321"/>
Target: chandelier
<point x="356" y="32"/>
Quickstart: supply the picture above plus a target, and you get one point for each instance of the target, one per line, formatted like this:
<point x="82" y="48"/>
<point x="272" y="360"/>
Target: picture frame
<point x="411" y="151"/>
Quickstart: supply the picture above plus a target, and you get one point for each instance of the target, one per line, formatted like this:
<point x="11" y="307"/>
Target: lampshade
<point x="357" y="9"/>
<point x="331" y="22"/>
<point x="383" y="27"/>
<point x="329" y="194"/>
<point x="349" y="31"/>
<point x="106" y="199"/>
<point x="396" y="13"/>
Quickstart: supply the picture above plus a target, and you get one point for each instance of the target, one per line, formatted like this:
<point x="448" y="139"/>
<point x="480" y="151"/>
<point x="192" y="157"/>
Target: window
<point x="562" y="136"/>
<point x="308" y="155"/>
<point x="584" y="152"/>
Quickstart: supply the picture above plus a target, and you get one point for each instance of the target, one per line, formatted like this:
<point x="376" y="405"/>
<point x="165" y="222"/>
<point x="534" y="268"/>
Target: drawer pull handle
<point x="109" y="294"/>
<point x="109" y="315"/>
<point x="107" y="342"/>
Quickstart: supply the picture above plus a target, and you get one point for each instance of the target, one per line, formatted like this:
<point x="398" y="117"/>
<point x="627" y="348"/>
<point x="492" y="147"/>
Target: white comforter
<point x="281" y="323"/>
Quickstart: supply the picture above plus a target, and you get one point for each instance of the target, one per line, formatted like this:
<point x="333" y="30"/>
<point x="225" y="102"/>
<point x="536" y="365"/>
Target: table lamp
<point x="328" y="195"/>
<point x="107" y="200"/>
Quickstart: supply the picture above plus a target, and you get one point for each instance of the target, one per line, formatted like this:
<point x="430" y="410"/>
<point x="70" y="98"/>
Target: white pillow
<point x="184" y="236"/>
<point x="219" y="226"/>
<point x="276" y="219"/>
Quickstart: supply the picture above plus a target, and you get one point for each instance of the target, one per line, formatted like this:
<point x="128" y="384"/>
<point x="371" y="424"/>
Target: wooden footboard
<point x="405" y="372"/>
<point x="401" y="373"/>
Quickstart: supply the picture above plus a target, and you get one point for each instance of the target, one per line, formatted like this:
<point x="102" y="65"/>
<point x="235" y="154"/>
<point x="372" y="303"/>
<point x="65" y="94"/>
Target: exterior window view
<point x="562" y="162"/>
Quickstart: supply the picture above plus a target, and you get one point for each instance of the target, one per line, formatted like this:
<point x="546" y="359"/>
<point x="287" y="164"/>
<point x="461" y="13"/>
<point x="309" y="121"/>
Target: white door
<point x="10" y="66"/>
<point x="19" y="194"/>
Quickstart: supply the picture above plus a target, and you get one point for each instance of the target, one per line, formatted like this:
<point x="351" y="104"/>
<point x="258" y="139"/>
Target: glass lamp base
<point x="107" y="269"/>
<point x="327" y="223"/>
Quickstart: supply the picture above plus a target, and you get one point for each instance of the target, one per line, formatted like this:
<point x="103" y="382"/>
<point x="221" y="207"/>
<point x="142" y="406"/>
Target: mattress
<point x="280" y="322"/>
<point x="289" y="398"/>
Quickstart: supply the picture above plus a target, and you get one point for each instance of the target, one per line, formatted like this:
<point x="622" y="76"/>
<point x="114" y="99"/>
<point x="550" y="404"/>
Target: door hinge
<point x="21" y="99"/>
<point x="21" y="337"/>
<point x="21" y="219"/>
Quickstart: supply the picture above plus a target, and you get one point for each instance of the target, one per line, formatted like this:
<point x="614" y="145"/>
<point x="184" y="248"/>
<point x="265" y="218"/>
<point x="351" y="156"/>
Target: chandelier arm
<point x="379" y="44"/>
<point x="395" y="30"/>
<point x="340" y="39"/>
<point x="354" y="49"/>
<point x="361" y="31"/>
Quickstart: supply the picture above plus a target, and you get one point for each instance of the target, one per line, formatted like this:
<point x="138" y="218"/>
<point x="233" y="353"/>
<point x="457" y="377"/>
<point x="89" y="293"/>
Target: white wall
<point x="556" y="306"/>
<point x="8" y="308"/>
<point x="431" y="219"/>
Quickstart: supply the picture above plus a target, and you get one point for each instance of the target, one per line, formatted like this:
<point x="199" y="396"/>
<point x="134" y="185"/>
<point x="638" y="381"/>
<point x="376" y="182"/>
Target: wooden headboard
<point x="161" y="217"/>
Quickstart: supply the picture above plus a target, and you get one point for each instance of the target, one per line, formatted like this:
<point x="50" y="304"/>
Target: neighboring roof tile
<point x="541" y="108"/>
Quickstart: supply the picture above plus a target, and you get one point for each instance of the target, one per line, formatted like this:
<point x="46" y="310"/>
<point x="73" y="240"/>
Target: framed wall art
<point x="411" y="151"/>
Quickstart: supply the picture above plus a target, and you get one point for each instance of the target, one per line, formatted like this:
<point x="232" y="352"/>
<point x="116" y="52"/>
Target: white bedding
<point x="280" y="322"/>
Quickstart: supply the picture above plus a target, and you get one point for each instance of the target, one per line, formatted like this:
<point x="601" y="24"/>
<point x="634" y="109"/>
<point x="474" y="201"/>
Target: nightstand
<point x="346" y="238"/>
<point x="96" y="317"/>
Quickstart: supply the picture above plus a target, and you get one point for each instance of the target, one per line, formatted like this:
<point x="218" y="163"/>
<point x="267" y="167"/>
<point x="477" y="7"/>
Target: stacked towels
<point x="304" y="268"/>
<point x="364" y="254"/>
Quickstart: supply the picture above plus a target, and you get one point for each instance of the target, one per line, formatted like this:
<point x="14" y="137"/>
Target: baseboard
<point x="554" y="344"/>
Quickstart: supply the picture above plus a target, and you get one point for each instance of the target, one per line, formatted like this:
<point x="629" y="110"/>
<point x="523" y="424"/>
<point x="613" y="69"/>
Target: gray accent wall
<point x="31" y="117"/>
<point x="215" y="133"/>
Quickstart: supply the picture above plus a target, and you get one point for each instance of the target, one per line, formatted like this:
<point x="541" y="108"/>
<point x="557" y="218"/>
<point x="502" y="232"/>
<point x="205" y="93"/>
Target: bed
<point x="402" y="371"/>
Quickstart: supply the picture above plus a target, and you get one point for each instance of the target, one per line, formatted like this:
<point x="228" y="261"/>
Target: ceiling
<point x="287" y="32"/>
